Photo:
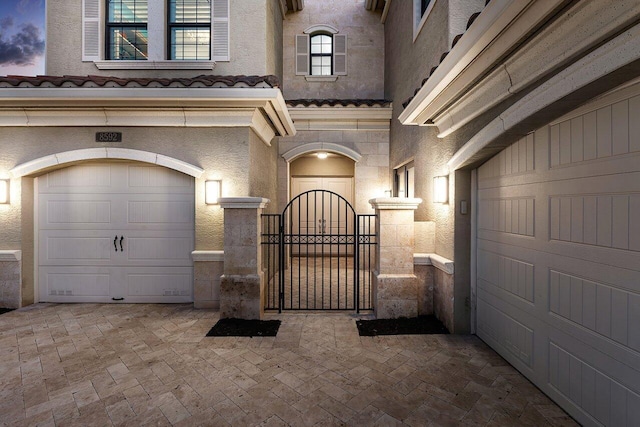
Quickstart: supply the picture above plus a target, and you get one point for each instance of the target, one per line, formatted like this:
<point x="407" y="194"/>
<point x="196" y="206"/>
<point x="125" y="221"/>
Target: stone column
<point x="242" y="283"/>
<point x="395" y="286"/>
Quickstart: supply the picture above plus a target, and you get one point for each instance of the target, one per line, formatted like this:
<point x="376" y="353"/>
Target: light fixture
<point x="212" y="190"/>
<point x="440" y="189"/>
<point x="4" y="191"/>
<point x="322" y="155"/>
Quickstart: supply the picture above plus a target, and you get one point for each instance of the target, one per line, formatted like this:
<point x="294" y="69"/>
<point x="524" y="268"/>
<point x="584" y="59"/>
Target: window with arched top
<point x="321" y="51"/>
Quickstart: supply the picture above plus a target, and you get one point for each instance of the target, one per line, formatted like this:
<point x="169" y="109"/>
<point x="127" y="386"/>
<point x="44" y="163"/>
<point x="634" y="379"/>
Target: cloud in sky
<point x="22" y="48"/>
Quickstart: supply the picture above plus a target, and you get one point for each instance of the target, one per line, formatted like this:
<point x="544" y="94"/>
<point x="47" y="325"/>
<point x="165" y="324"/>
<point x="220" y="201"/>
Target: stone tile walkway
<point x="92" y="364"/>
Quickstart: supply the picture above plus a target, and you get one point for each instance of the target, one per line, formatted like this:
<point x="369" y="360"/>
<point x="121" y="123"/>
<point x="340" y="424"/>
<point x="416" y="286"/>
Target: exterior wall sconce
<point x="440" y="189"/>
<point x="322" y="155"/>
<point x="212" y="191"/>
<point x="4" y="191"/>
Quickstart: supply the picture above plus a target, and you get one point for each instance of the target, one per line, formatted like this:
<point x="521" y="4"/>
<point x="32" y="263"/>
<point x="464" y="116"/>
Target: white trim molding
<point x="395" y="203"/>
<point x="312" y="147"/>
<point x="10" y="255"/>
<point x="60" y="159"/>
<point x="243" y="202"/>
<point x="474" y="77"/>
<point x="324" y="28"/>
<point x="598" y="64"/>
<point x="155" y="65"/>
<point x="207" y="256"/>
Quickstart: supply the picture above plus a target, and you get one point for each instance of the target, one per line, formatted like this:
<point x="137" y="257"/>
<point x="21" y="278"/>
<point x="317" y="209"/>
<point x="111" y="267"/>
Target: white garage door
<point x="115" y="232"/>
<point x="558" y="256"/>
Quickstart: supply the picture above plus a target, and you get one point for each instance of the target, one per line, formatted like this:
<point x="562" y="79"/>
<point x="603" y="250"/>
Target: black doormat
<point x="244" y="328"/>
<point x="420" y="325"/>
<point x="5" y="310"/>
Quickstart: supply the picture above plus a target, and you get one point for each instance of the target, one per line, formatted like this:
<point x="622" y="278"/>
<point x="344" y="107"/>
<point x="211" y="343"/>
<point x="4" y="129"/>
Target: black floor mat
<point x="244" y="328"/>
<point x="420" y="325"/>
<point x="5" y="310"/>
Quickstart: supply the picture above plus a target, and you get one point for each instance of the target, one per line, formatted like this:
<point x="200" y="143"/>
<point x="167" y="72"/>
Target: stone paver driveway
<point x="92" y="364"/>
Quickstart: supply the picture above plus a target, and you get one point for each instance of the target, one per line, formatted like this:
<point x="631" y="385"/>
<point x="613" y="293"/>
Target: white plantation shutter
<point x="90" y="30"/>
<point x="302" y="55"/>
<point x="220" y="30"/>
<point x="340" y="54"/>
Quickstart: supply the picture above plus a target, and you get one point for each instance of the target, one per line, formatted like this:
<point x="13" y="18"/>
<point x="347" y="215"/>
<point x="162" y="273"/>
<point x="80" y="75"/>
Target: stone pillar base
<point x="241" y="296"/>
<point x="395" y="295"/>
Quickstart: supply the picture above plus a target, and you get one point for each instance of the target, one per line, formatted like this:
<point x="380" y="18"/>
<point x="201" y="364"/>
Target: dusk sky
<point x="22" y="37"/>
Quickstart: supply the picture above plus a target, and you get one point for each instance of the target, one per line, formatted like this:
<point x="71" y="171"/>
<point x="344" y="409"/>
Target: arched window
<point x="321" y="54"/>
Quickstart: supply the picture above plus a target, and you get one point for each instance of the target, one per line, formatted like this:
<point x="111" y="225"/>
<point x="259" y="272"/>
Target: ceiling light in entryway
<point x="322" y="155"/>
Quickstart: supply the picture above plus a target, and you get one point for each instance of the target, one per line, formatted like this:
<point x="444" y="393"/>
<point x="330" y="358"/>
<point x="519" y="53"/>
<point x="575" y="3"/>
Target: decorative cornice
<point x="533" y="109"/>
<point x="395" y="203"/>
<point x="317" y="117"/>
<point x="262" y="109"/>
<point x="475" y="53"/>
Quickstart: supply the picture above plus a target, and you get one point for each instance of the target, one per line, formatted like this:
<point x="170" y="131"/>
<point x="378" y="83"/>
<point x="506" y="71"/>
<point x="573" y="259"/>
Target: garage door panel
<point x="86" y="179"/>
<point x="598" y="395"/>
<point x="72" y="247"/>
<point x="70" y="211"/>
<point x="159" y="284"/>
<point x="501" y="324"/>
<point x="65" y="284"/>
<point x="176" y="213"/>
<point x="151" y="179"/>
<point x="158" y="250"/>
<point x="509" y="274"/>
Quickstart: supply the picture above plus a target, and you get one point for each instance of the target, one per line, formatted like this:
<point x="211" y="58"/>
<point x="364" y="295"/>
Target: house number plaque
<point x="108" y="136"/>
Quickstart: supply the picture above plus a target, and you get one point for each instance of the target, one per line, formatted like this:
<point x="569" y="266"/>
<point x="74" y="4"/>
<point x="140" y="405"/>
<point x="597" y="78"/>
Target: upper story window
<point x="127" y="37"/>
<point x="189" y="29"/>
<point x="321" y="52"/>
<point x="157" y="34"/>
<point x="321" y="55"/>
<point x="421" y="11"/>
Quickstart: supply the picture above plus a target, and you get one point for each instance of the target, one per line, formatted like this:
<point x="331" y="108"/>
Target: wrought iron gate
<point x="318" y="254"/>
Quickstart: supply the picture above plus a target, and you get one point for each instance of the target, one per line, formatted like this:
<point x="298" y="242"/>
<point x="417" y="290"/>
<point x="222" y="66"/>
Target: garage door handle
<point x="117" y="299"/>
<point x="121" y="239"/>
<point x="115" y="243"/>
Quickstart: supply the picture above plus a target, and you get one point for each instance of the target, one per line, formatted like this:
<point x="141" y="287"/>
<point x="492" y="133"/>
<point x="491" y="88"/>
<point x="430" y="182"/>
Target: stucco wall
<point x="263" y="171"/>
<point x="365" y="50"/>
<point x="221" y="152"/>
<point x="407" y="63"/>
<point x="255" y="42"/>
<point x="273" y="40"/>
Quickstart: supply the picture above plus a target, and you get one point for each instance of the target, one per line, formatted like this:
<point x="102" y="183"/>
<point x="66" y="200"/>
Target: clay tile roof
<point x="120" y="82"/>
<point x="338" y="103"/>
<point x="470" y="22"/>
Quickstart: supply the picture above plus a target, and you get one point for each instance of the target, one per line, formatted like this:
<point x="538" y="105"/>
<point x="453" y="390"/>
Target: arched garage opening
<point x="112" y="225"/>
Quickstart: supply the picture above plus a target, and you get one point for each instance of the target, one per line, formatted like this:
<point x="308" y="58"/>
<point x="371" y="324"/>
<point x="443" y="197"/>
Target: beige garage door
<point x="115" y="232"/>
<point x="558" y="259"/>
